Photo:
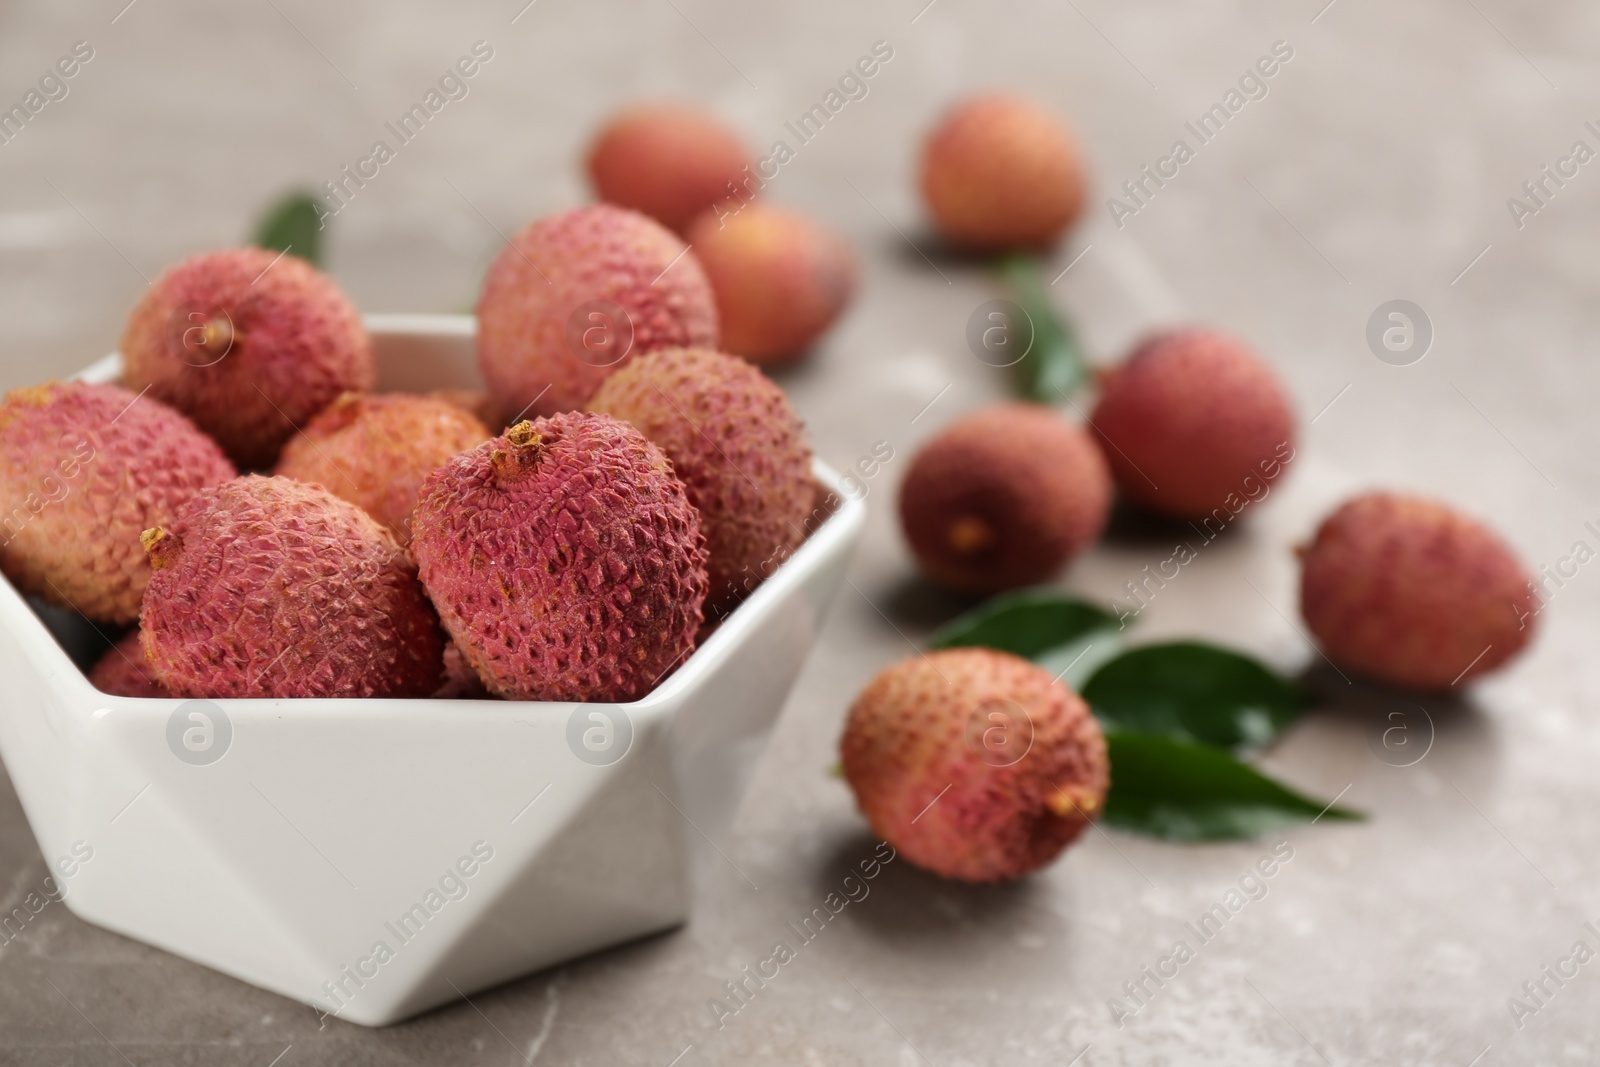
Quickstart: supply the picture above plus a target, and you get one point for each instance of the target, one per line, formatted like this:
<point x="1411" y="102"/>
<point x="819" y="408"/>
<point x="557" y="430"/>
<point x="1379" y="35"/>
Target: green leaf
<point x="1054" y="366"/>
<point x="1193" y="691"/>
<point x="1182" y="791"/>
<point x="293" y="225"/>
<point x="1026" y="623"/>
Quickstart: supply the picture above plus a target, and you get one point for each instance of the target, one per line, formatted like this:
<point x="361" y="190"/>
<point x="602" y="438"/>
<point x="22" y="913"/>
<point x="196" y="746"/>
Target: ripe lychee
<point x="1194" y="425"/>
<point x="669" y="162"/>
<point x="1001" y="173"/>
<point x="575" y="295"/>
<point x="83" y="470"/>
<point x="565" y="560"/>
<point x="123" y="672"/>
<point x="780" y="279"/>
<point x="738" y="447"/>
<point x="248" y="345"/>
<point x="268" y="587"/>
<point x="1414" y="593"/>
<point x="374" y="451"/>
<point x="974" y="764"/>
<point x="1004" y="498"/>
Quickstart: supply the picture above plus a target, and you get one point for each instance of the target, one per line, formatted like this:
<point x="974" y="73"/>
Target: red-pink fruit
<point x="1004" y="498"/>
<point x="374" y="451"/>
<point x="248" y="345"/>
<point x="1194" y="425"/>
<point x="565" y="560"/>
<point x="575" y="295"/>
<point x="1000" y="172"/>
<point x="738" y="447"/>
<point x="668" y="162"/>
<point x="123" y="672"/>
<point x="974" y="764"/>
<point x="268" y="587"/>
<point x="1411" y="592"/>
<point x="83" y="470"/>
<point x="461" y="682"/>
<point x="780" y="279"/>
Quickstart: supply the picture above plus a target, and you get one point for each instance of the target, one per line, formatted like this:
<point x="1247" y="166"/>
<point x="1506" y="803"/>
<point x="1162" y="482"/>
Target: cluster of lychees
<point x="391" y="544"/>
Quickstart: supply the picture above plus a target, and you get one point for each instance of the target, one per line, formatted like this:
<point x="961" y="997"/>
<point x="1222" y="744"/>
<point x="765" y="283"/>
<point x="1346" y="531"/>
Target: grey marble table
<point x="1379" y="165"/>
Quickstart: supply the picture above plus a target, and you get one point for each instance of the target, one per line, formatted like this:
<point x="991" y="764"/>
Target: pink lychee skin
<point x="911" y="753"/>
<point x="668" y="161"/>
<point x="1194" y="422"/>
<point x="565" y="560"/>
<point x="297" y="343"/>
<point x="268" y="587"/>
<point x="123" y="672"/>
<point x="739" y="448"/>
<point x="84" y="469"/>
<point x="562" y="262"/>
<point x="1414" y="593"/>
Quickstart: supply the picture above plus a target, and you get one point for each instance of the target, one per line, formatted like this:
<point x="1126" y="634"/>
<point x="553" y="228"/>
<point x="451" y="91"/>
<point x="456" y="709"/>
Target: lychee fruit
<point x="248" y="345"/>
<point x="475" y="402"/>
<point x="565" y="560"/>
<point x="1001" y="173"/>
<point x="974" y="764"/>
<point x="123" y="672"/>
<point x="374" y="451"/>
<point x="1411" y="592"/>
<point x="738" y="447"/>
<point x="84" y="468"/>
<point x="667" y="161"/>
<point x="575" y="295"/>
<point x="461" y="682"/>
<point x="268" y="587"/>
<point x="1195" y="425"/>
<point x="1004" y="498"/>
<point x="780" y="279"/>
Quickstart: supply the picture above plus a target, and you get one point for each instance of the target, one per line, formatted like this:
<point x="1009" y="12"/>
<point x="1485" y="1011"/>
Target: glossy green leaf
<point x="1193" y="691"/>
<point x="293" y="225"/>
<point x="1183" y="791"/>
<point x="1026" y="623"/>
<point x="1054" y="366"/>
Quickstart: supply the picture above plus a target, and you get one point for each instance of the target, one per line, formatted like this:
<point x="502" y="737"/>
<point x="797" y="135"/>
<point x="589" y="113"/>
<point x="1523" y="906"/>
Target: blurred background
<point x="1378" y="166"/>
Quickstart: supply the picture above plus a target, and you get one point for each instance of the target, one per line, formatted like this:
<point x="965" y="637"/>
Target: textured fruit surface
<point x="1004" y="498"/>
<point x="1194" y="424"/>
<point x="1412" y="592"/>
<point x="84" y="469"/>
<point x="738" y="447"/>
<point x="780" y="279"/>
<point x="667" y="161"/>
<point x="247" y="345"/>
<point x="565" y="560"/>
<point x="575" y="295"/>
<point x="123" y="672"/>
<point x="461" y="682"/>
<point x="374" y="451"/>
<point x="974" y="764"/>
<point x="268" y="587"/>
<point x="1000" y="172"/>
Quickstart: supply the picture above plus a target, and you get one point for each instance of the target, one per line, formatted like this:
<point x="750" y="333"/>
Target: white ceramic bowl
<point x="376" y="858"/>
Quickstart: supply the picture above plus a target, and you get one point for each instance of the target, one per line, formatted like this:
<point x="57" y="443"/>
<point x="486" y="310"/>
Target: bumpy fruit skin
<point x="123" y="672"/>
<point x="268" y="587"/>
<point x="668" y="162"/>
<point x="374" y="451"/>
<point x="738" y="447"/>
<point x="541" y="350"/>
<point x="780" y="279"/>
<point x="461" y="682"/>
<point x="1023" y="759"/>
<point x="565" y="560"/>
<point x="1004" y="498"/>
<point x="249" y="353"/>
<point x="999" y="172"/>
<point x="84" y="469"/>
<point x="1413" y="593"/>
<point x="1194" y="425"/>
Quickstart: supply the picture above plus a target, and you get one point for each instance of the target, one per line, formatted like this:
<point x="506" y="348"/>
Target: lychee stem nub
<point x="161" y="546"/>
<point x="527" y="445"/>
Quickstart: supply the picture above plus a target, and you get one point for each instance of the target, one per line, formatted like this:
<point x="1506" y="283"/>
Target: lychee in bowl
<point x="376" y="858"/>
